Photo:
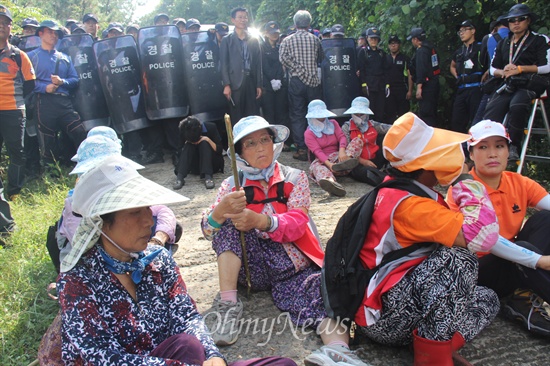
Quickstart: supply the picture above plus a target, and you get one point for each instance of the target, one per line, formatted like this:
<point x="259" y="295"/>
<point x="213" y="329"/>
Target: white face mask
<point x="316" y="124"/>
<point x="359" y="121"/>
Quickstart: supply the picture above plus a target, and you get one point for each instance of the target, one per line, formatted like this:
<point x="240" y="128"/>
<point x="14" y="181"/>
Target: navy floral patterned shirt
<point x="104" y="325"/>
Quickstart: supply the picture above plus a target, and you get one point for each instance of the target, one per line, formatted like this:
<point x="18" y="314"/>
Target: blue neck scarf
<point x="136" y="266"/>
<point x="319" y="129"/>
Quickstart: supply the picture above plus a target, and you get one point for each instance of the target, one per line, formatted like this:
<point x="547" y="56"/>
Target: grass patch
<point x="26" y="269"/>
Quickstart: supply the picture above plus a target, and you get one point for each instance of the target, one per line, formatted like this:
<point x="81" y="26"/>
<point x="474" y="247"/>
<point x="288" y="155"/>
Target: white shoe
<point x="333" y="356"/>
<point x="227" y="326"/>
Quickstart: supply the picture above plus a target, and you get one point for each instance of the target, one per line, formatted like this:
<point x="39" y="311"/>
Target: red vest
<point x="369" y="139"/>
<point x="308" y="243"/>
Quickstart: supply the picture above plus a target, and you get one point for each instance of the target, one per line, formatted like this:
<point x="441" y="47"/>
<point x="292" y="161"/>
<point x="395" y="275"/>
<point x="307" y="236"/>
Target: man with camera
<point x="523" y="60"/>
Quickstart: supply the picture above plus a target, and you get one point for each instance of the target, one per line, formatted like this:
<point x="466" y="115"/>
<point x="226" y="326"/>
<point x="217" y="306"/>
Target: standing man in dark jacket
<point x="426" y="69"/>
<point x="371" y="62"/>
<point x="56" y="77"/>
<point x="399" y="84"/>
<point x="241" y="64"/>
<point x="467" y="67"/>
<point x="275" y="96"/>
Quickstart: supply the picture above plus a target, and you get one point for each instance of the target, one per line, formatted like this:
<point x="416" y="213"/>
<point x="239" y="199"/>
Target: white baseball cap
<point x="484" y="129"/>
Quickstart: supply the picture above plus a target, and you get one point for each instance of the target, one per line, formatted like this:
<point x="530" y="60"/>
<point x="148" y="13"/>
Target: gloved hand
<point x="276" y="84"/>
<point x="480" y="225"/>
<point x="387" y="90"/>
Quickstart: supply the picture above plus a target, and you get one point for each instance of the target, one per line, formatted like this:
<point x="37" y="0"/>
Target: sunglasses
<point x="463" y="30"/>
<point x="517" y="19"/>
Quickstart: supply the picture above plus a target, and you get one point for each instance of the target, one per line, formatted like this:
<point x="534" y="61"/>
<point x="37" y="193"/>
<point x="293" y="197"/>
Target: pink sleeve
<point x="480" y="225"/>
<point x="292" y="226"/>
<point x="312" y="143"/>
<point x="166" y="221"/>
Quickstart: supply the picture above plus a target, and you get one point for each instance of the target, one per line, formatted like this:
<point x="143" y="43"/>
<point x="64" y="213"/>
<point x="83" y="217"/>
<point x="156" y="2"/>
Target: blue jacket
<point x="44" y="63"/>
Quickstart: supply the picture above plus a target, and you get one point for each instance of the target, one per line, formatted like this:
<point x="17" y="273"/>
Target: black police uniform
<point x="427" y="72"/>
<point x="372" y="68"/>
<point x="397" y="77"/>
<point x="469" y="69"/>
<point x="513" y="100"/>
<point x="274" y="103"/>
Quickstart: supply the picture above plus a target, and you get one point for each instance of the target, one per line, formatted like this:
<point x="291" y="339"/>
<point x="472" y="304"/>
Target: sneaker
<point x="332" y="187"/>
<point x="226" y="329"/>
<point x="345" y="165"/>
<point x="531" y="310"/>
<point x="333" y="356"/>
<point x="300" y="154"/>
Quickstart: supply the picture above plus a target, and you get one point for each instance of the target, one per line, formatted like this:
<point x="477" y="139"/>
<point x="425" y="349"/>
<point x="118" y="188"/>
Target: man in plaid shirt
<point x="300" y="54"/>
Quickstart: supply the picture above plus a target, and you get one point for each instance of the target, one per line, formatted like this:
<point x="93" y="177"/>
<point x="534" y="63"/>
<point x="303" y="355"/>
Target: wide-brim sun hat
<point x="95" y="149"/>
<point x="318" y="109"/>
<point x="359" y="105"/>
<point x="484" y="129"/>
<point x="251" y="124"/>
<point x="105" y="131"/>
<point x="111" y="186"/>
<point x="410" y="145"/>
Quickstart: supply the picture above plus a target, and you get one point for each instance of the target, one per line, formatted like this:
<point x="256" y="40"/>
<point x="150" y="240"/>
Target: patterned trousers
<point x="439" y="297"/>
<point x="318" y="170"/>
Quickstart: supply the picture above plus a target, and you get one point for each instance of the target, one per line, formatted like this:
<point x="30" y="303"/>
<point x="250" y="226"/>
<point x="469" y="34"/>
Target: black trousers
<point x="465" y="108"/>
<point x="275" y="107"/>
<point x="396" y="104"/>
<point x="517" y="105"/>
<point x="245" y="100"/>
<point x="198" y="159"/>
<point x="6" y="220"/>
<point x="55" y="114"/>
<point x="12" y="129"/>
<point x="377" y="99"/>
<point x="299" y="96"/>
<point x="427" y="106"/>
<point x="504" y="276"/>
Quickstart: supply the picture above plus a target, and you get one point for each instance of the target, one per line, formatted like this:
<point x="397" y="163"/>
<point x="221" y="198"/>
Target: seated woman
<point x="368" y="134"/>
<point x="282" y="246"/>
<point x="428" y="295"/>
<point x="101" y="143"/>
<point x="512" y="194"/>
<point x="123" y="300"/>
<point x="201" y="152"/>
<point x="333" y="156"/>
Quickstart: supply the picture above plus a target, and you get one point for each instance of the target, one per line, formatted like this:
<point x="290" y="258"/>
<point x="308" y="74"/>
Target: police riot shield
<point x="162" y="67"/>
<point x="88" y="99"/>
<point x="29" y="43"/>
<point x="119" y="72"/>
<point x="203" y="76"/>
<point x="338" y="69"/>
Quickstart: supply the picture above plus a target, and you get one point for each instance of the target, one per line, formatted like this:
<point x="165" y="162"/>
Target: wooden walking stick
<point x="231" y="145"/>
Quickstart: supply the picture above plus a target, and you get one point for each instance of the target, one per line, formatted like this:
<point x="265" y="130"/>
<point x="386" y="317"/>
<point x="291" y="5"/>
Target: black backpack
<point x="343" y="277"/>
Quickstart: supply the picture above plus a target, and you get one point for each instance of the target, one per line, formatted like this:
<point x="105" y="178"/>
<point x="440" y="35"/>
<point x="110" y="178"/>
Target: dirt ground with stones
<point x="268" y="332"/>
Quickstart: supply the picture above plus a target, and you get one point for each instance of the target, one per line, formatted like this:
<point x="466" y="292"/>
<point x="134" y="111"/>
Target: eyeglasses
<point x="517" y="19"/>
<point x="463" y="30"/>
<point x="251" y="144"/>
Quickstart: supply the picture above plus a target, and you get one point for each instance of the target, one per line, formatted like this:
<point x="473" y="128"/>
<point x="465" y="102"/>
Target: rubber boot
<point x="457" y="342"/>
<point x="431" y="353"/>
